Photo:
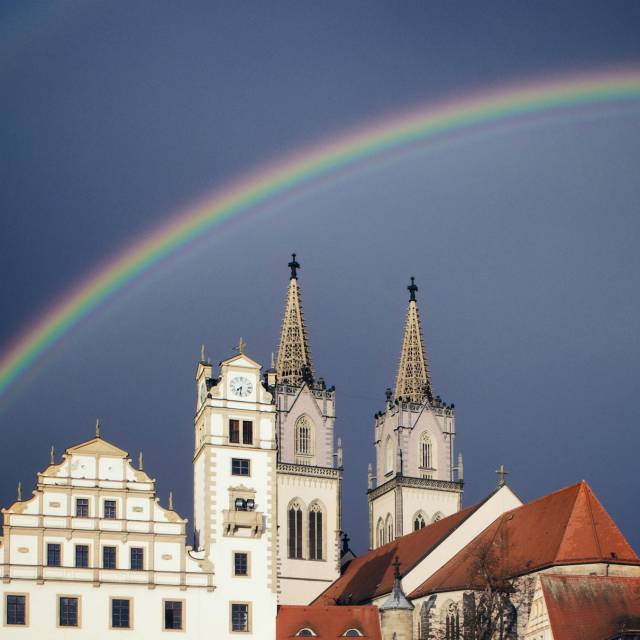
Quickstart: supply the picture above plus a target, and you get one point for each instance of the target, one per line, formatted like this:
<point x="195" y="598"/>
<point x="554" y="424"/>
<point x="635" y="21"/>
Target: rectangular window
<point x="137" y="559"/>
<point x="82" y="507"/>
<point x="173" y="614"/>
<point x="110" y="509"/>
<point x="16" y="608"/>
<point x="82" y="556"/>
<point x="247" y="432"/>
<point x="240" y="467"/>
<point x="234" y="431"/>
<point x="53" y="555"/>
<point x="239" y="617"/>
<point x="108" y="557"/>
<point x="68" y="611"/>
<point x="240" y="564"/>
<point x="120" y="613"/>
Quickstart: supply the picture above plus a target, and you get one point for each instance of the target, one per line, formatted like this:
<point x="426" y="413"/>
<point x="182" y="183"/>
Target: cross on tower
<point x="294" y="265"/>
<point x="396" y="568"/>
<point x="241" y="345"/>
<point x="502" y="474"/>
<point x="412" y="288"/>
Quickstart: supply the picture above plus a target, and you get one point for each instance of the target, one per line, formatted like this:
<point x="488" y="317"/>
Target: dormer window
<point x="352" y="633"/>
<point x="306" y="633"/>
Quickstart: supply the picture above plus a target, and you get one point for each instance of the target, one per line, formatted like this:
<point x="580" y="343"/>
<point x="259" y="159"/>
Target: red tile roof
<point x="569" y="526"/>
<point x="371" y="575"/>
<point x="591" y="607"/>
<point x="328" y="622"/>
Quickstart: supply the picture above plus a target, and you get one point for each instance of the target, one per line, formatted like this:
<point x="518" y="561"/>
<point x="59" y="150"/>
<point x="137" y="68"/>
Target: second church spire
<point x="294" y="356"/>
<point x="413" y="381"/>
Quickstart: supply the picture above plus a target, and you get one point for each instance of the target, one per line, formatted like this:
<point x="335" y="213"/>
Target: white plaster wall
<point x="430" y="502"/>
<point x="383" y="505"/>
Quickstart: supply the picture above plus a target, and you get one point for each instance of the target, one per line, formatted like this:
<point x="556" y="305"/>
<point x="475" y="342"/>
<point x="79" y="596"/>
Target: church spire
<point x="413" y="381"/>
<point x="294" y="357"/>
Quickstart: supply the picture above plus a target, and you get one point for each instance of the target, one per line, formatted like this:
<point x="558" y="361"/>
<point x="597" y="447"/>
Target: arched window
<point x="295" y="530"/>
<point x="389" y="527"/>
<point x="304" y="441"/>
<point x="437" y="516"/>
<point x="380" y="532"/>
<point x="426" y="452"/>
<point x="452" y="622"/>
<point x="419" y="521"/>
<point x="388" y="455"/>
<point x="315" y="532"/>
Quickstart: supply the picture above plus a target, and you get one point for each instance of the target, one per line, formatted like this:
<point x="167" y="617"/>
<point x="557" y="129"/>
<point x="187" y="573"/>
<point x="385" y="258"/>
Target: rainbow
<point x="504" y="105"/>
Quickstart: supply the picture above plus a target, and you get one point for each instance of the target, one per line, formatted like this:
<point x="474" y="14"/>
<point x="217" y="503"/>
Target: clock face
<point x="241" y="386"/>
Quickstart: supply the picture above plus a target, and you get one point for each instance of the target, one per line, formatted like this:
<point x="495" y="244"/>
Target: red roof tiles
<point x="569" y="526"/>
<point x="327" y="622"/>
<point x="591" y="607"/>
<point x="371" y="575"/>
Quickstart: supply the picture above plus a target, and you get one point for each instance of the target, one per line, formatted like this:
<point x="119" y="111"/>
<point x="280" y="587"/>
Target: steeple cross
<point x="396" y="568"/>
<point x="294" y="265"/>
<point x="412" y="288"/>
<point x="502" y="474"/>
<point x="241" y="345"/>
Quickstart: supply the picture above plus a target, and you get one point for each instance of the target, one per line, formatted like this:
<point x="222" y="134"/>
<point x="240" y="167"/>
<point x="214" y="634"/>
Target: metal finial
<point x="170" y="500"/>
<point x="241" y="345"/>
<point x="140" y="462"/>
<point x="203" y="357"/>
<point x="396" y="568"/>
<point x="502" y="474"/>
<point x="294" y="265"/>
<point x="52" y="455"/>
<point x="97" y="427"/>
<point x="19" y="491"/>
<point x="412" y="288"/>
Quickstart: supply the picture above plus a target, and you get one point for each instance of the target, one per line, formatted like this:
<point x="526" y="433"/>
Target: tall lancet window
<point x="315" y="532"/>
<point x="304" y="441"/>
<point x="389" y="527"/>
<point x="388" y="455"/>
<point x="426" y="452"/>
<point x="295" y="530"/>
<point x="419" y="522"/>
<point x="380" y="532"/>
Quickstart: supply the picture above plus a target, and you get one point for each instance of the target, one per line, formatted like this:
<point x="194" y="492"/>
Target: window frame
<point x="241" y="460"/>
<point x="298" y="537"/>
<point x="247" y="554"/>
<point x="75" y="552"/>
<point x="115" y="509"/>
<point x="131" y="551"/>
<point x="54" y="544"/>
<point x="5" y="617"/>
<point x="115" y="556"/>
<point x="183" y="614"/>
<point x="247" y="428"/>
<point x="87" y="505"/>
<point x="249" y="617"/>
<point x="78" y="599"/>
<point x="317" y="509"/>
<point x="130" y="601"/>
<point x="234" y="431"/>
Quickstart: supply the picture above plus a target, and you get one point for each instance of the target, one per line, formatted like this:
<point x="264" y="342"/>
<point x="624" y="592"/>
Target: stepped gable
<point x="569" y="526"/>
<point x="328" y="621"/>
<point x="592" y="607"/>
<point x="372" y="575"/>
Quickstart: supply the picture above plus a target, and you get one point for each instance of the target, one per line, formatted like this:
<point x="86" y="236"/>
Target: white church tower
<point x="234" y="469"/>
<point x="415" y="480"/>
<point x="309" y="466"/>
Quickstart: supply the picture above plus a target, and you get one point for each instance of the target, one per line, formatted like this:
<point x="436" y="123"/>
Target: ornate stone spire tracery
<point x="294" y="357"/>
<point x="413" y="381"/>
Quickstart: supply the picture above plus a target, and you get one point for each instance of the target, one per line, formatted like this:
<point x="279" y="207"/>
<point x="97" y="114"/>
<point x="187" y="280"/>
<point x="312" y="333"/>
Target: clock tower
<point x="234" y="471"/>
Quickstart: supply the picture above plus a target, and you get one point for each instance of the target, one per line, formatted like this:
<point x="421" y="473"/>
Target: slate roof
<point x="371" y="575"/>
<point x="592" y="607"/>
<point x="328" y="622"/>
<point x="566" y="527"/>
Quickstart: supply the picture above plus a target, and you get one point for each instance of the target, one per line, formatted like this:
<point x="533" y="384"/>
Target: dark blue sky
<point x="523" y="241"/>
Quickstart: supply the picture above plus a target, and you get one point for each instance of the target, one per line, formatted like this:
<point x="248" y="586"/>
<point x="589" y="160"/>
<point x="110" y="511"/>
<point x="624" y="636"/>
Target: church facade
<point x="93" y="553"/>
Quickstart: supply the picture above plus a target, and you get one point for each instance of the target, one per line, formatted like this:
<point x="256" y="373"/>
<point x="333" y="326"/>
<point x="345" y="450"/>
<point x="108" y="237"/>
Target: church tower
<point x="234" y="473"/>
<point x="309" y="465"/>
<point x="415" y="480"/>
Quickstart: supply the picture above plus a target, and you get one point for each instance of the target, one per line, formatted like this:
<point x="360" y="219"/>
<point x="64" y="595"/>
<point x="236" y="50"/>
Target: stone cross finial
<point x="97" y="427"/>
<point x="294" y="265"/>
<point x="19" y="491"/>
<point x="52" y="455"/>
<point x="502" y="474"/>
<point x="170" y="500"/>
<point x="273" y="360"/>
<point x="140" y="462"/>
<point x="241" y="345"/>
<point x="369" y="477"/>
<point x="396" y="568"/>
<point x="412" y="288"/>
<point x="202" y="354"/>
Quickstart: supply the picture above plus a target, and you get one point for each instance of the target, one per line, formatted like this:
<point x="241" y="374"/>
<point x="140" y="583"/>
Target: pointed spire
<point x="294" y="357"/>
<point x="396" y="599"/>
<point x="413" y="381"/>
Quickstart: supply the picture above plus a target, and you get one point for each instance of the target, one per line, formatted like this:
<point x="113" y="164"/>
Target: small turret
<point x="396" y="611"/>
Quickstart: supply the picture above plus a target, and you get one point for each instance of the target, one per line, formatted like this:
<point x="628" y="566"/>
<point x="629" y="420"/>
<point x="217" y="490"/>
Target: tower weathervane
<point x="294" y="265"/>
<point x="412" y="288"/>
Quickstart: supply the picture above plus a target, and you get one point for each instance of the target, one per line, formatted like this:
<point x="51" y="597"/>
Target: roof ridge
<point x="548" y="495"/>
<point x="589" y="494"/>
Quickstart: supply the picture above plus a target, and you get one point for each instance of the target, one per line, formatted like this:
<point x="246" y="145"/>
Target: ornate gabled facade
<point x="416" y="480"/>
<point x="309" y="464"/>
